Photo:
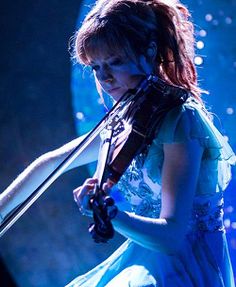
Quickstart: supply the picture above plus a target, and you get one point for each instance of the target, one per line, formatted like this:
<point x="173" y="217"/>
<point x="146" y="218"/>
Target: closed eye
<point x="116" y="62"/>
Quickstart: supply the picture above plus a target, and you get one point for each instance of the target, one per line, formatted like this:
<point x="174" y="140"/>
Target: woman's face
<point x="117" y="74"/>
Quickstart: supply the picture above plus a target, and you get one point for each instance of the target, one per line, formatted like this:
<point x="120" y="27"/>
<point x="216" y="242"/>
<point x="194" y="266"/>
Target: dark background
<point x="50" y="245"/>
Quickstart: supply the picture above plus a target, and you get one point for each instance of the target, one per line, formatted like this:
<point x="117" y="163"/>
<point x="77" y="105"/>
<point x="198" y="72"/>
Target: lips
<point x="110" y="91"/>
<point x="113" y="90"/>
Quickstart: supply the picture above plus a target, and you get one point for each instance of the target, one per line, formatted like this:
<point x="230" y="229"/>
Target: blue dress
<point x="203" y="260"/>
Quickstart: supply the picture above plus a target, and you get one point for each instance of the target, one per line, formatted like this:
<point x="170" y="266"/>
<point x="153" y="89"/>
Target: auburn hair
<point x="127" y="27"/>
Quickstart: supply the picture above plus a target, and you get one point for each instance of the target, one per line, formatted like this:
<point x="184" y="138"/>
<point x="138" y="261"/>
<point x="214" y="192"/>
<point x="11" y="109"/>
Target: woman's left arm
<point x="179" y="180"/>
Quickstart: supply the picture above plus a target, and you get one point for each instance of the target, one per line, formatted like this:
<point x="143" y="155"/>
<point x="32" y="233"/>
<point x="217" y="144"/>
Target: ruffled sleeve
<point x="190" y="121"/>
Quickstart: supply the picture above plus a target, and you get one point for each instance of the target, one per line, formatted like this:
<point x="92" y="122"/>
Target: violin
<point x="129" y="135"/>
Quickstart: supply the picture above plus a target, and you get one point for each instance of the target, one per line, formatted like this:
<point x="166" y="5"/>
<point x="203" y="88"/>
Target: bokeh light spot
<point x="233" y="225"/>
<point x="227" y="223"/>
<point x="229" y="209"/>
<point x="202" y="33"/>
<point x="80" y="116"/>
<point x="215" y="22"/>
<point x="198" y="60"/>
<point x="200" y="45"/>
<point x="229" y="111"/>
<point x="228" y="20"/>
<point x="208" y="17"/>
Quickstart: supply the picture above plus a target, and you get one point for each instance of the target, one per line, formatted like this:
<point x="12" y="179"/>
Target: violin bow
<point x="19" y="210"/>
<point x="120" y="106"/>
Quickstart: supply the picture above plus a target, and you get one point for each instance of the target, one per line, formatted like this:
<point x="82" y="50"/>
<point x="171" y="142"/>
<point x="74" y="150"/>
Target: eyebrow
<point x="105" y="59"/>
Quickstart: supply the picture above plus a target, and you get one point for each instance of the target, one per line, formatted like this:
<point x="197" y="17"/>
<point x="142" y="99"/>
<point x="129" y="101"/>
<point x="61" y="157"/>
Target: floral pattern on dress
<point x="136" y="190"/>
<point x="149" y="208"/>
<point x="207" y="216"/>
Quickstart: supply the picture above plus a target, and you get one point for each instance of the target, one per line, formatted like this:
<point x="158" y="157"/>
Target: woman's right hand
<point x="82" y="195"/>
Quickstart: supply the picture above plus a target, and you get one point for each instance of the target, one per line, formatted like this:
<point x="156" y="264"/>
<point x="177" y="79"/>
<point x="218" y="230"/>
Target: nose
<point x="105" y="75"/>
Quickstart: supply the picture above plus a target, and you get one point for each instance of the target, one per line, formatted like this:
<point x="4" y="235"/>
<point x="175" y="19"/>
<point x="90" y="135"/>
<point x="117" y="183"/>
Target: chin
<point x="116" y="98"/>
<point x="116" y="95"/>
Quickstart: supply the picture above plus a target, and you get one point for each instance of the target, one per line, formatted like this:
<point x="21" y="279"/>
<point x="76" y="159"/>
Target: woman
<point x="174" y="229"/>
<point x="172" y="196"/>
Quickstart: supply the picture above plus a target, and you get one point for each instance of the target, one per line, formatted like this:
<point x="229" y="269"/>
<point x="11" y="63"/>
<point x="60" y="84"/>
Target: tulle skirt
<point x="202" y="261"/>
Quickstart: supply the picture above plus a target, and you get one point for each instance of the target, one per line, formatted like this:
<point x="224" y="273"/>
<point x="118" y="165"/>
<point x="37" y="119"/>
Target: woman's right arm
<point x="24" y="185"/>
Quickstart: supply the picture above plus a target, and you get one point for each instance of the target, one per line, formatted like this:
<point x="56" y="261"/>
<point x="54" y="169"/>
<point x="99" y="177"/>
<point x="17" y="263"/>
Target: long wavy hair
<point x="127" y="27"/>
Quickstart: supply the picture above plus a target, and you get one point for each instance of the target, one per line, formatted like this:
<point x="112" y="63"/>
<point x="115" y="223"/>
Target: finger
<point x="78" y="197"/>
<point x="89" y="184"/>
<point x="91" y="180"/>
<point x="83" y="204"/>
<point x="105" y="187"/>
<point x="110" y="183"/>
<point x="87" y="181"/>
<point x="83" y="189"/>
<point x="82" y="192"/>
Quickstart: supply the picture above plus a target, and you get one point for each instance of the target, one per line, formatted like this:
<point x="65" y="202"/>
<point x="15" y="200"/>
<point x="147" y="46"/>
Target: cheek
<point x="132" y="70"/>
<point x="129" y="76"/>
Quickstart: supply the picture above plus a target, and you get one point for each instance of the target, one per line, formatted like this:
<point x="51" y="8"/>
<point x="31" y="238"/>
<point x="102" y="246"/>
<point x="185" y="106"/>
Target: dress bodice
<point x="140" y="185"/>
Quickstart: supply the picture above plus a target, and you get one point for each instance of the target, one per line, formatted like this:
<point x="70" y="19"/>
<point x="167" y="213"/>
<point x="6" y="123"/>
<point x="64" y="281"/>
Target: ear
<point x="151" y="51"/>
